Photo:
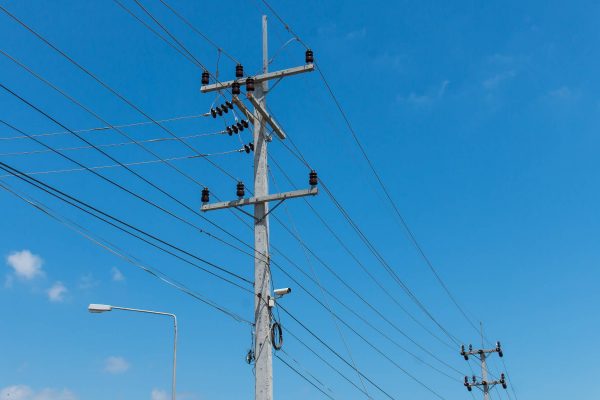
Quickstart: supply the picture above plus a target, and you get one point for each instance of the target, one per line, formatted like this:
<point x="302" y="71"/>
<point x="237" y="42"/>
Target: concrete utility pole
<point x="484" y="385"/>
<point x="260" y="118"/>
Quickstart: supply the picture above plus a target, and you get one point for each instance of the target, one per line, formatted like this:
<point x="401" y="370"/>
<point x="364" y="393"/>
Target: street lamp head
<point x="99" y="308"/>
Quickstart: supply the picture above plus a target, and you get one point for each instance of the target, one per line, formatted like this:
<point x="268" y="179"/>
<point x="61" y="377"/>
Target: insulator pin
<point x="224" y="108"/>
<point x="239" y="71"/>
<point x="229" y="131"/>
<point x="235" y="88"/>
<point x="235" y="128"/>
<point x="245" y="123"/>
<point x="241" y="192"/>
<point x="213" y="112"/>
<point x="249" y="84"/>
<point x="313" y="180"/>
<point x="309" y="56"/>
<point x="240" y="126"/>
<point x="205" y="78"/>
<point x="229" y="104"/>
<point x="205" y="196"/>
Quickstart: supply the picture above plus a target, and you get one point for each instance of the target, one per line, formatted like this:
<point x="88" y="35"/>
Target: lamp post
<point x="100" y="308"/>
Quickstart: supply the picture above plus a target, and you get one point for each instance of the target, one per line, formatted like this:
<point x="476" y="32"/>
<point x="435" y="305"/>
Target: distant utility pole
<point x="484" y="385"/>
<point x="257" y="88"/>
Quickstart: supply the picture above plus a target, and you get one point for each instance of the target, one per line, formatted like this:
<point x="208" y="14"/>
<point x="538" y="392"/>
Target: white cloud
<point x="57" y="292"/>
<point x="116" y="365"/>
<point x="87" y="282"/>
<point x="426" y="98"/>
<point x="159" y="395"/>
<point x="564" y="93"/>
<point x="23" y="392"/>
<point x="25" y="264"/>
<point x="495" y="81"/>
<point x="117" y="275"/>
<point x="357" y="34"/>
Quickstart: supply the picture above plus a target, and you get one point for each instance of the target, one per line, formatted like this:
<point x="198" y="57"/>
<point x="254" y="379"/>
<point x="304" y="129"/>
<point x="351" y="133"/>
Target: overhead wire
<point x="113" y="249"/>
<point x="119" y="224"/>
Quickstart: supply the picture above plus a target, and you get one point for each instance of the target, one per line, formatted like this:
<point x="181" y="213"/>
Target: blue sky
<point x="482" y="121"/>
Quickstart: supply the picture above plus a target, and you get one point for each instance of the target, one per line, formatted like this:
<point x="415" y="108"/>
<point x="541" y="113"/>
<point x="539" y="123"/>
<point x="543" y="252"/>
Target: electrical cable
<point x="105" y="217"/>
<point x="304" y="377"/>
<point x="112" y="249"/>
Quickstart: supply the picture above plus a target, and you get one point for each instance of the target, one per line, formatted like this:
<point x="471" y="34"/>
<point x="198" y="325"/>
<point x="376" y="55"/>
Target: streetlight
<point x="100" y="308"/>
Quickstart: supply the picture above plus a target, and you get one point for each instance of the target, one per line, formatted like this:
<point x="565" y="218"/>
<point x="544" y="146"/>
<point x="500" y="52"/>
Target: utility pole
<point x="484" y="385"/>
<point x="257" y="88"/>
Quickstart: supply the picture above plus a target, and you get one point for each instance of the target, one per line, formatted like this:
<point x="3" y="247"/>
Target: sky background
<point x="482" y="121"/>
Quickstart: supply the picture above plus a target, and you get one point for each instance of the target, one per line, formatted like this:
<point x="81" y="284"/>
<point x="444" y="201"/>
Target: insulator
<point x="240" y="189"/>
<point x="251" y="145"/>
<point x="235" y="128"/>
<point x="247" y="148"/>
<point x="474" y="379"/>
<point x="502" y="377"/>
<point x="500" y="353"/>
<point x="235" y="88"/>
<point x="213" y="112"/>
<point x="484" y="383"/>
<point x="229" y="131"/>
<point x="309" y="56"/>
<point x="462" y="350"/>
<point x="504" y="385"/>
<point x="470" y="347"/>
<point x="245" y="123"/>
<point x="229" y="104"/>
<point x="205" y="78"/>
<point x="313" y="180"/>
<point x="205" y="196"/>
<point x="497" y="345"/>
<point x="239" y="71"/>
<point x="469" y="388"/>
<point x="466" y="380"/>
<point x="249" y="84"/>
<point x="224" y="108"/>
<point x="466" y="356"/>
<point x="219" y="111"/>
<point x="240" y="126"/>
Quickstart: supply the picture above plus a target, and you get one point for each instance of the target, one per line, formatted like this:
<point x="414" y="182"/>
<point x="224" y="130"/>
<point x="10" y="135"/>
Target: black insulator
<point x="239" y="71"/>
<point x="469" y="388"/>
<point x="205" y="195"/>
<point x="249" y="84"/>
<point x="219" y="111"/>
<point x="470" y="347"/>
<point x="466" y="356"/>
<point x="235" y="88"/>
<point x="504" y="385"/>
<point x="466" y="380"/>
<point x="213" y="112"/>
<point x="500" y="353"/>
<point x="245" y="123"/>
<point x="224" y="108"/>
<point x="474" y="379"/>
<point x="229" y="104"/>
<point x="251" y="145"/>
<point x="247" y="148"/>
<point x="309" y="56"/>
<point x="240" y="189"/>
<point x="240" y="126"/>
<point x="462" y="349"/>
<point x="235" y="128"/>
<point x="205" y="78"/>
<point x="229" y="131"/>
<point x="313" y="180"/>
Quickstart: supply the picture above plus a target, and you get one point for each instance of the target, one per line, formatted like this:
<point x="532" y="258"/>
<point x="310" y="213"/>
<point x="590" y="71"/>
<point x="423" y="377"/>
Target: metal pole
<point x="484" y="377"/>
<point x="174" y="374"/>
<point x="263" y="389"/>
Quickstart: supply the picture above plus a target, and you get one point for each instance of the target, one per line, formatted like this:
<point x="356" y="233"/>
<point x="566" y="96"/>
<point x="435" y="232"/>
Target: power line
<point x="76" y="148"/>
<point x="122" y="165"/>
<point x="112" y="249"/>
<point x="304" y="377"/>
<point x="105" y="217"/>
<point x="103" y="128"/>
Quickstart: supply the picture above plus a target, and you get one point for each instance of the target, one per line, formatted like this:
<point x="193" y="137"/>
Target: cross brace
<point x="261" y="199"/>
<point x="259" y="78"/>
